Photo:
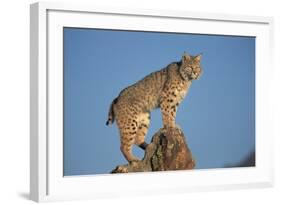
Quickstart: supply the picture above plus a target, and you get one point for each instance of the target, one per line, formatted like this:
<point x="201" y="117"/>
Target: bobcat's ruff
<point x="163" y="89"/>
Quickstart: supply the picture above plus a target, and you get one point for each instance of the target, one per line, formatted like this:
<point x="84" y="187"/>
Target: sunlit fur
<point x="163" y="89"/>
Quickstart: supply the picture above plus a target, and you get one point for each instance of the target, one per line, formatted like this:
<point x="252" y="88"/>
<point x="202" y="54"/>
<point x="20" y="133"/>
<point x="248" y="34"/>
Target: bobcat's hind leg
<point x="143" y="125"/>
<point x="128" y="138"/>
<point x="127" y="152"/>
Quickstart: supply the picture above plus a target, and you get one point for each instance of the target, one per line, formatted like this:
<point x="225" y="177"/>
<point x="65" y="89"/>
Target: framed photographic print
<point x="129" y="102"/>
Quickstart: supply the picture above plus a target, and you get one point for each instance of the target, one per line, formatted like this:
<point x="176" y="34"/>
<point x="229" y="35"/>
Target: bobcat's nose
<point x="196" y="75"/>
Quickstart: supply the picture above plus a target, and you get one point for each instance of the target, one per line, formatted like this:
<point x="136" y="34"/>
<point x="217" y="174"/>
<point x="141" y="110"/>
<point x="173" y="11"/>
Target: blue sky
<point x="217" y="115"/>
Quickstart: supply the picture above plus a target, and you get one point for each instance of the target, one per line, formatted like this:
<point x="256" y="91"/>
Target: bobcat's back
<point x="165" y="88"/>
<point x="146" y="92"/>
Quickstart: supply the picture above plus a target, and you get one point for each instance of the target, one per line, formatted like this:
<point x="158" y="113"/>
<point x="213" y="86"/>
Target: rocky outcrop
<point x="168" y="150"/>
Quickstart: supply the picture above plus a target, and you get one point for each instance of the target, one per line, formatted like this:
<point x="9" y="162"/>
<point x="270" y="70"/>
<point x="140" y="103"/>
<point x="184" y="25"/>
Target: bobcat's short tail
<point x="111" y="115"/>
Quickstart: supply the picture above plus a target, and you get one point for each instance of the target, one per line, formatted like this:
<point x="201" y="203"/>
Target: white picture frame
<point x="46" y="177"/>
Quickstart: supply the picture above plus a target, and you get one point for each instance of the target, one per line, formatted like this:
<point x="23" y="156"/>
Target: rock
<point x="167" y="151"/>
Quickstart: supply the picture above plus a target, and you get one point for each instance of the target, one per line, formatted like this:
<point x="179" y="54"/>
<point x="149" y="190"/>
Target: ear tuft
<point x="198" y="58"/>
<point x="185" y="57"/>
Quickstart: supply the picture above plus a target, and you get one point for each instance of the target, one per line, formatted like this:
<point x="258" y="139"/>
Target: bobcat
<point x="163" y="89"/>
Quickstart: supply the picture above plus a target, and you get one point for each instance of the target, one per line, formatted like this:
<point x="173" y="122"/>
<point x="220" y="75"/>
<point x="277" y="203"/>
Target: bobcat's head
<point x="190" y="68"/>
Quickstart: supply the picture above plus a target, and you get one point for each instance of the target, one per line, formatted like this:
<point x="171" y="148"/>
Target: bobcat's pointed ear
<point x="185" y="57"/>
<point x="198" y="58"/>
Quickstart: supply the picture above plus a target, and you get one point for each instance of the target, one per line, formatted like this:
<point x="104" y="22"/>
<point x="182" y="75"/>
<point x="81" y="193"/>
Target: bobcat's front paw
<point x="170" y="126"/>
<point x="178" y="127"/>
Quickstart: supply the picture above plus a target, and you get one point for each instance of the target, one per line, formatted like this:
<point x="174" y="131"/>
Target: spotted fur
<point x="164" y="89"/>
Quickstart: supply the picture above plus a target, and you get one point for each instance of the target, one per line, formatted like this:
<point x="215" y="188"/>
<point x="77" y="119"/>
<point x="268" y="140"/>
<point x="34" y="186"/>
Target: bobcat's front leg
<point x="168" y="106"/>
<point x="168" y="111"/>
